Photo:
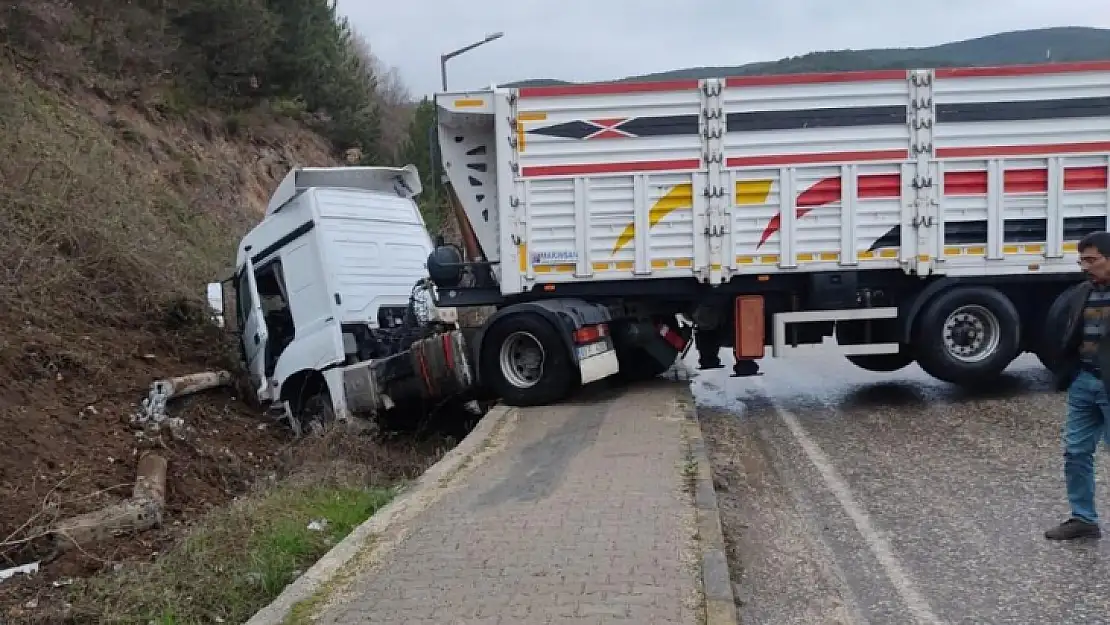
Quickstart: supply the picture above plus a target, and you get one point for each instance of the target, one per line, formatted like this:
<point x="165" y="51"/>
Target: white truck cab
<point x="329" y="288"/>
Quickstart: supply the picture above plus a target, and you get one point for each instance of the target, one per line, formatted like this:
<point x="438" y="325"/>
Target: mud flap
<point x="656" y="340"/>
<point x="670" y="344"/>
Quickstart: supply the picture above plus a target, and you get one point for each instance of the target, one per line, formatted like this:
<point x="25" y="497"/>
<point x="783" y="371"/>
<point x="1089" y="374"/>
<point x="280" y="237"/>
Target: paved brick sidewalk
<point x="581" y="518"/>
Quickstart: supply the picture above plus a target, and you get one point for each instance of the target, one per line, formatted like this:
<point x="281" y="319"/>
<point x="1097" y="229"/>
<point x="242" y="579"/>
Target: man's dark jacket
<point x="1062" y="334"/>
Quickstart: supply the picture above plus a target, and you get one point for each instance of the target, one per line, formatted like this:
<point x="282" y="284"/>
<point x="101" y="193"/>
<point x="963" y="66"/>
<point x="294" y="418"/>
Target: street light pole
<point x="443" y="58"/>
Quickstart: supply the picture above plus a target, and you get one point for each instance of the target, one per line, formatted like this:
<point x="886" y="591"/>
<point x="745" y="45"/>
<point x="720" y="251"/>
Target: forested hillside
<point x="138" y="141"/>
<point x="1026" y="46"/>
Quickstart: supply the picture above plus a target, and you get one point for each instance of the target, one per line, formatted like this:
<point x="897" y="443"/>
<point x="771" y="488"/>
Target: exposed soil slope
<point x="117" y="204"/>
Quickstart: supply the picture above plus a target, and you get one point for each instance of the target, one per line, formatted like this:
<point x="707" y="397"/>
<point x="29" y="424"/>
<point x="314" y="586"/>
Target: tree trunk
<point x="194" y="383"/>
<point x="142" y="512"/>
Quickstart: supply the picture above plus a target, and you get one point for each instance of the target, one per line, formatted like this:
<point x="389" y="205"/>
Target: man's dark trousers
<point x="1087" y="416"/>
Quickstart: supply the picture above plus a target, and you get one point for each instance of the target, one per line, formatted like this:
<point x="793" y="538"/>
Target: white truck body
<point x="337" y="245"/>
<point x="956" y="172"/>
<point x="928" y="216"/>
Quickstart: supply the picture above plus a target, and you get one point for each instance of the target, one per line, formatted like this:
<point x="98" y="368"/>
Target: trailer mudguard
<point x="565" y="314"/>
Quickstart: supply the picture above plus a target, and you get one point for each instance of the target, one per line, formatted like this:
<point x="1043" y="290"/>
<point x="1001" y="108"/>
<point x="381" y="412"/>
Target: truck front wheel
<point x="968" y="335"/>
<point x="526" y="362"/>
<point x="317" y="414"/>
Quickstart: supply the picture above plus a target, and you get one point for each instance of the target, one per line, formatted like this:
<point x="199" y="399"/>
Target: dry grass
<point x="115" y="216"/>
<point x="119" y="198"/>
<point x="236" y="562"/>
<point x="96" y="238"/>
<point x="238" y="559"/>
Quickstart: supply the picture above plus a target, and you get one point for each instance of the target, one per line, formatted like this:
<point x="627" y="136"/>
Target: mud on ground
<point x="70" y="447"/>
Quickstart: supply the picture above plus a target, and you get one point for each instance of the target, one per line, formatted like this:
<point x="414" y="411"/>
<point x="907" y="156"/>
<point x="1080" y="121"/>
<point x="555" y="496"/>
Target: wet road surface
<point x="856" y="497"/>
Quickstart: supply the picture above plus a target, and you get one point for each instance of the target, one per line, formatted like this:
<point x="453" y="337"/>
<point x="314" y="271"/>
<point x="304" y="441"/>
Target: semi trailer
<point x="925" y="215"/>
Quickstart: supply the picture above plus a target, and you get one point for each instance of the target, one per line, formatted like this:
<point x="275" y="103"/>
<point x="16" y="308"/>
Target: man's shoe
<point x="1073" y="529"/>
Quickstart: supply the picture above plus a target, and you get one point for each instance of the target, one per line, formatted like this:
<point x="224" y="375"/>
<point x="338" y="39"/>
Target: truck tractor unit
<point x="334" y="311"/>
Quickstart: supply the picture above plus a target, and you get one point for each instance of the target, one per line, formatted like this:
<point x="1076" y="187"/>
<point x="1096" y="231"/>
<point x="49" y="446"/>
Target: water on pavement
<point x="856" y="497"/>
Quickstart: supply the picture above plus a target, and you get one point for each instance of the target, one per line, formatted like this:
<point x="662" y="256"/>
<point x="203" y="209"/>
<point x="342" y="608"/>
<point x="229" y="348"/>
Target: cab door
<point x="255" y="337"/>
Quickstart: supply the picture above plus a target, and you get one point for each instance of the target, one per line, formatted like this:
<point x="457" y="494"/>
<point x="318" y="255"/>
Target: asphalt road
<point x="857" y="497"/>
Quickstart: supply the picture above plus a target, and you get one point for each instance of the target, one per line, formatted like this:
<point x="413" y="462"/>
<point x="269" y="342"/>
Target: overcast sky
<point x="605" y="39"/>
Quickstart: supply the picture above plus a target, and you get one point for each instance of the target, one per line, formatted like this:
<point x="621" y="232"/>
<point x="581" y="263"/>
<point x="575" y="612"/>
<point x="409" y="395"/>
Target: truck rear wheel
<point x="968" y="335"/>
<point x="526" y="362"/>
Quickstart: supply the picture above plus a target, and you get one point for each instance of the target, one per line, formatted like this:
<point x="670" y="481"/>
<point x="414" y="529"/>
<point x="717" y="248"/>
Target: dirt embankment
<point x="115" y="216"/>
<point x="118" y="202"/>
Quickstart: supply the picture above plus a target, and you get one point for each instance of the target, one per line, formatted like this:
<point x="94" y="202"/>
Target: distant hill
<point x="1010" y="48"/>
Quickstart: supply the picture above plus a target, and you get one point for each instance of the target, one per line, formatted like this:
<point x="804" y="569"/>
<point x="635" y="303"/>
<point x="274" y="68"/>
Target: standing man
<point x="1078" y="353"/>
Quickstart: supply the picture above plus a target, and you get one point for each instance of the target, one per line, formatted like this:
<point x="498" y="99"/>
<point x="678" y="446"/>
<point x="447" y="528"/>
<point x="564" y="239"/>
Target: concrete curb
<point x="405" y="505"/>
<point x="720" y="603"/>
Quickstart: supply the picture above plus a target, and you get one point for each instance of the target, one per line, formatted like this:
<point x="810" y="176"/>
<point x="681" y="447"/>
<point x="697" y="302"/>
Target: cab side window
<point x="276" y="314"/>
<point x="243" y="297"/>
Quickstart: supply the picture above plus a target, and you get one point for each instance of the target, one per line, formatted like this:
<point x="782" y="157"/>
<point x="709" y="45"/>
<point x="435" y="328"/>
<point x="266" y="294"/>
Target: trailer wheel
<point x="1046" y="334"/>
<point x="525" y="361"/>
<point x="853" y="333"/>
<point x="881" y="363"/>
<point x="968" y="335"/>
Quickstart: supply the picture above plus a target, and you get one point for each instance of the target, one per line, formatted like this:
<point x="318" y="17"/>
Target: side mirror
<point x="216" y="302"/>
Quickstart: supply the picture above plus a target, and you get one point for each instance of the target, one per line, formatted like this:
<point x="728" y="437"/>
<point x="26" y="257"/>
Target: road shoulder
<point x="367" y="542"/>
<point x="720" y="602"/>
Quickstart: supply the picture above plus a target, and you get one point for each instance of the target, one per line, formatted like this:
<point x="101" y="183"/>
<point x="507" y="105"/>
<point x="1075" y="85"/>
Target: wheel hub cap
<point x="971" y="333"/>
<point x="522" y="359"/>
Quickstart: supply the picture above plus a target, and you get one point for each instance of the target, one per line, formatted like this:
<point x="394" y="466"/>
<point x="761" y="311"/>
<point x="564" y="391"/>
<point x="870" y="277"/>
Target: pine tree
<point x="418" y="150"/>
<point x="229" y="39"/>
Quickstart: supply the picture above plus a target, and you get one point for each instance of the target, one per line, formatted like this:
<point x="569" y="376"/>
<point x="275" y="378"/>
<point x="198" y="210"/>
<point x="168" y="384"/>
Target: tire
<point x="509" y="364"/>
<point x="317" y="414"/>
<point x="882" y="363"/>
<point x="968" y="335"/>
<point x="849" y="333"/>
<point x="1046" y="333"/>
